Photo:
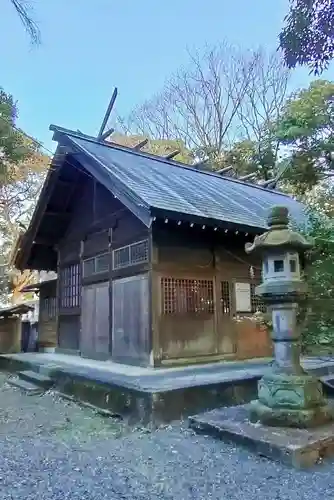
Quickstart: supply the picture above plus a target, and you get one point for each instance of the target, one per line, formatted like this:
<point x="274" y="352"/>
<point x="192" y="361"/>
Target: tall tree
<point x="22" y="170"/>
<point x="12" y="146"/>
<point x="306" y="129"/>
<point x="317" y="317"/>
<point x="24" y="11"/>
<point x="258" y="113"/>
<point x="308" y="35"/>
<point x="222" y="96"/>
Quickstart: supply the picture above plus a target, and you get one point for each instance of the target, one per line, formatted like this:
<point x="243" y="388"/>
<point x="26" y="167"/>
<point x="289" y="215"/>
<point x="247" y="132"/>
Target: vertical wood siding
<point x="194" y="313"/>
<point x="130" y="319"/>
<point x="96" y="215"/>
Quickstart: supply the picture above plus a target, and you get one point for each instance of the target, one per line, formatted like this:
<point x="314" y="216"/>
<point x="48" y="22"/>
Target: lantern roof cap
<point x="279" y="236"/>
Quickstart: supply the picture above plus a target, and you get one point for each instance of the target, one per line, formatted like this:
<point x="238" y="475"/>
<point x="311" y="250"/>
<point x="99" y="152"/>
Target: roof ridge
<point x="175" y="163"/>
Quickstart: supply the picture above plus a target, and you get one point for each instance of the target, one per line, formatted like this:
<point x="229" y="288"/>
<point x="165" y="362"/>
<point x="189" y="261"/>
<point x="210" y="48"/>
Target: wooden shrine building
<point x="149" y="255"/>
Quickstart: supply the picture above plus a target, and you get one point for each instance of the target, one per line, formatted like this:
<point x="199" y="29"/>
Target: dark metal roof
<point x="15" y="310"/>
<point x="35" y="287"/>
<point x="157" y="183"/>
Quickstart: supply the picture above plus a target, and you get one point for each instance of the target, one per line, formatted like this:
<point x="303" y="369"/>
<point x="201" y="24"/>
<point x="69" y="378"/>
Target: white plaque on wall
<point x="243" y="297"/>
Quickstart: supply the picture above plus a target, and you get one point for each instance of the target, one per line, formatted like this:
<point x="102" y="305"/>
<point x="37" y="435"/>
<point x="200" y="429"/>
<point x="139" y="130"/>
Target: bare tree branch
<point x="24" y="10"/>
<point x="222" y="96"/>
<point x="264" y="97"/>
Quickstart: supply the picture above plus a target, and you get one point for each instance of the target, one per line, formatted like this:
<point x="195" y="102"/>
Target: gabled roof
<point x="157" y="186"/>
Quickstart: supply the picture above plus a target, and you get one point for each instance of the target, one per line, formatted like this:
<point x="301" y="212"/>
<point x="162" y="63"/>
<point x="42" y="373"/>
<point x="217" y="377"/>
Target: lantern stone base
<point x="290" y="401"/>
<point x="295" y="447"/>
<point x="287" y="417"/>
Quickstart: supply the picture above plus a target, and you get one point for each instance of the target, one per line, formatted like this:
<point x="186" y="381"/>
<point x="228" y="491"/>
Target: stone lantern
<point x="287" y="396"/>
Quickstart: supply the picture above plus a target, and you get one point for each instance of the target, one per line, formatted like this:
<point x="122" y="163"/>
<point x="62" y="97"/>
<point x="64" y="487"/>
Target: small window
<point x="121" y="257"/>
<point x="278" y="266"/>
<point x="95" y="265"/>
<point x="225" y="297"/>
<point x="266" y="266"/>
<point x="256" y="301"/>
<point x="88" y="267"/>
<point x="186" y="296"/>
<point x="70" y="286"/>
<point x="293" y="265"/>
<point x="102" y="263"/>
<point x="48" y="308"/>
<point x="137" y="253"/>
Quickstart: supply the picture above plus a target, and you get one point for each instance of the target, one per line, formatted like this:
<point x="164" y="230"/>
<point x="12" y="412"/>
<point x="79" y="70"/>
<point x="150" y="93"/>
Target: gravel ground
<point x="53" y="449"/>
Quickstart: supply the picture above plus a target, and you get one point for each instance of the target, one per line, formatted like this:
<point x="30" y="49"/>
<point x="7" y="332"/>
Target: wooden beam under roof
<point x="106" y="134"/>
<point x="140" y="144"/>
<point x="171" y="155"/>
<point x="247" y="177"/>
<point x="223" y="170"/>
<point x="39" y="240"/>
<point x="200" y="164"/>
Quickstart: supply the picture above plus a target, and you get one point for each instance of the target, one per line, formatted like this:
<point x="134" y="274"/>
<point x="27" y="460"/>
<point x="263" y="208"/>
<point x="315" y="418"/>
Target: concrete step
<point x="48" y="369"/>
<point x="36" y="378"/>
<point x="27" y="387"/>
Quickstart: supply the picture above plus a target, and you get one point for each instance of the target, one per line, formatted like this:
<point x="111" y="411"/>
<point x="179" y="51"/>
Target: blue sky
<point x="91" y="46"/>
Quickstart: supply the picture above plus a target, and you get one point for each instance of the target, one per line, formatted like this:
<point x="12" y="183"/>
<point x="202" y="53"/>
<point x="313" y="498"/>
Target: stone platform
<point x="300" y="448"/>
<point x="150" y="395"/>
<point x="145" y="396"/>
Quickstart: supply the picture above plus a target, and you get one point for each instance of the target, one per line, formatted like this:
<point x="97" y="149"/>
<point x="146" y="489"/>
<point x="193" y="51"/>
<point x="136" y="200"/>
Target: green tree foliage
<point x="159" y="147"/>
<point x="300" y="142"/>
<point x="248" y="156"/>
<point x="12" y="147"/>
<point x="306" y="129"/>
<point x="308" y="35"/>
<point x="318" y="319"/>
<point x="22" y="170"/>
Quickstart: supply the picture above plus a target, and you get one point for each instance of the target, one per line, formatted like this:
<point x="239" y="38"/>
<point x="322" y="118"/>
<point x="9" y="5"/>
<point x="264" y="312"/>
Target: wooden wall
<point x="10" y="334"/>
<point x="99" y="224"/>
<point x="194" y="309"/>
<point x="47" y="322"/>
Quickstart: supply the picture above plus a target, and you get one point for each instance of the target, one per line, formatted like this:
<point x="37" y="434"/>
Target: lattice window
<point x="95" y="265"/>
<point x="225" y="299"/>
<point x="139" y="252"/>
<point x="186" y="296"/>
<point x="48" y="308"/>
<point x="121" y="257"/>
<point x="70" y="286"/>
<point x="256" y="302"/>
<point x="102" y="263"/>
<point x="130" y="255"/>
<point x="88" y="267"/>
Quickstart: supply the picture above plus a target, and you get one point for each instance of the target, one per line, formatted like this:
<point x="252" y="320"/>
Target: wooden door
<point x="130" y="319"/>
<point x="101" y="339"/>
<point x="94" y="342"/>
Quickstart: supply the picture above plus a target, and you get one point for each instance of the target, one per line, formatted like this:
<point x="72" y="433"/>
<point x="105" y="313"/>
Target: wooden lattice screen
<point x="256" y="302"/>
<point x="187" y="296"/>
<point x="95" y="265"/>
<point x="130" y="255"/>
<point x="70" y="286"/>
<point x="225" y="298"/>
<point x="48" y="308"/>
